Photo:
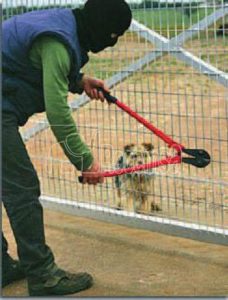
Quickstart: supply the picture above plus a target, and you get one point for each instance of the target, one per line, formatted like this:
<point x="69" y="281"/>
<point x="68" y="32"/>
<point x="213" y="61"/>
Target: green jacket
<point x="52" y="57"/>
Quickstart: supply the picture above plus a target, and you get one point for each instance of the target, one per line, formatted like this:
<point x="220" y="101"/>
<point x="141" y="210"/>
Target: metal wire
<point x="171" y="67"/>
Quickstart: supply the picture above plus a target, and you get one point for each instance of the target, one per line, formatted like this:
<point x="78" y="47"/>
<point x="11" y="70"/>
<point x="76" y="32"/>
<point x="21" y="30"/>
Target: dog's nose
<point x="140" y="162"/>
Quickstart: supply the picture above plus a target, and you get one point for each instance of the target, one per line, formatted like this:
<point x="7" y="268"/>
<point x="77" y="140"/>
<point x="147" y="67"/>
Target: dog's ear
<point x="128" y="148"/>
<point x="148" y="146"/>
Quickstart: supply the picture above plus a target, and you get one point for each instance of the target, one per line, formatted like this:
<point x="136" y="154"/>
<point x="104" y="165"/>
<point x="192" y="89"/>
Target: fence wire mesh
<point x="171" y="67"/>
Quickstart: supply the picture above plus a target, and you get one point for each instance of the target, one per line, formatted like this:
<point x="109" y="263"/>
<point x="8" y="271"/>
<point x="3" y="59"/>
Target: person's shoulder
<point x="50" y="43"/>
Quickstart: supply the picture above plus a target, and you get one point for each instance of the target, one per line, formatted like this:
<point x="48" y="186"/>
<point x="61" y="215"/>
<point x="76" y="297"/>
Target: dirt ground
<point x="130" y="262"/>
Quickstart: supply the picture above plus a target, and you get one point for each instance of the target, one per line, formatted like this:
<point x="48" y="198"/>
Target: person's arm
<point x="54" y="60"/>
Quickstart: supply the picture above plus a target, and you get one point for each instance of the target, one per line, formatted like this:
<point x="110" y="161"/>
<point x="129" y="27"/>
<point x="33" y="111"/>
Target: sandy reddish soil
<point x="130" y="262"/>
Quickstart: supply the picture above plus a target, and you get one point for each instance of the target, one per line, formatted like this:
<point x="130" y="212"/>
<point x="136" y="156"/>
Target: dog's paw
<point x="155" y="207"/>
<point x="119" y="206"/>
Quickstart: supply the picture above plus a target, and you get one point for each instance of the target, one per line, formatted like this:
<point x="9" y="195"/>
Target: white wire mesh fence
<point x="171" y="67"/>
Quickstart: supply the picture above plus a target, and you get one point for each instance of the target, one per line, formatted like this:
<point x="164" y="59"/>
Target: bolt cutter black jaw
<point x="200" y="158"/>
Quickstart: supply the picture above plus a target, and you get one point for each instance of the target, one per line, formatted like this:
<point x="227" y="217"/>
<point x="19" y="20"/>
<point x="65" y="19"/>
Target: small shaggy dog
<point x="138" y="186"/>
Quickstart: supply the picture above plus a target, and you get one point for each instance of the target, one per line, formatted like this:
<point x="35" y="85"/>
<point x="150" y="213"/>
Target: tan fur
<point x="137" y="187"/>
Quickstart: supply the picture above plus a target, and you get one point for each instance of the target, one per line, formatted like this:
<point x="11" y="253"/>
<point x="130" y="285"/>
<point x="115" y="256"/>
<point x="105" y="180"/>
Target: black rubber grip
<point x="80" y="179"/>
<point x="108" y="97"/>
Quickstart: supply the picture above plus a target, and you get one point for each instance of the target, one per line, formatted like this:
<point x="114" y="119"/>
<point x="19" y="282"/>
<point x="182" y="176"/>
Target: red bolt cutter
<point x="198" y="157"/>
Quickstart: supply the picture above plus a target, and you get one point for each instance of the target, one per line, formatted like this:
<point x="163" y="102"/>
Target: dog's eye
<point x="145" y="154"/>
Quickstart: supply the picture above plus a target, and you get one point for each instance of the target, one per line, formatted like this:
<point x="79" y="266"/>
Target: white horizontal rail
<point x="153" y="223"/>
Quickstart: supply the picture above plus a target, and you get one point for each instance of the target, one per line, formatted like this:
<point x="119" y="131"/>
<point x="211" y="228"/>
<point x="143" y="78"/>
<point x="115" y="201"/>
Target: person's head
<point x="104" y="21"/>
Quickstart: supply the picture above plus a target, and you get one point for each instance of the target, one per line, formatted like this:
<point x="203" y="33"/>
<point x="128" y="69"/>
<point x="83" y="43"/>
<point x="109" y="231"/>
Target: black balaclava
<point x="101" y="22"/>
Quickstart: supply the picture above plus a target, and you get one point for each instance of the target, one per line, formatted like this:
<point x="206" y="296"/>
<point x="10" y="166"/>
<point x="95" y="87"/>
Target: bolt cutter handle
<point x="168" y="140"/>
<point x="108" y="96"/>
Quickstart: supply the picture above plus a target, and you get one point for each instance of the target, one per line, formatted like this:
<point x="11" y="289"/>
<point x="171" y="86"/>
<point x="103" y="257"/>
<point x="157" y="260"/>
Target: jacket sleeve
<point x="75" y="88"/>
<point x="52" y="56"/>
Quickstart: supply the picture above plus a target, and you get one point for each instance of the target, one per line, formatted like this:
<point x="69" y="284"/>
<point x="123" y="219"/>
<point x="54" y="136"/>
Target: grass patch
<point x="104" y="67"/>
<point x="169" y="22"/>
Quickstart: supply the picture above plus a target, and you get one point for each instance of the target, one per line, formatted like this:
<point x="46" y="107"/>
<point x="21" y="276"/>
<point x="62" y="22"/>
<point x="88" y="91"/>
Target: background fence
<point x="171" y="67"/>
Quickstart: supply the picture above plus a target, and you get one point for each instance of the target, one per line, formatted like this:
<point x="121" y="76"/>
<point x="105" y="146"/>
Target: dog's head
<point x="138" y="154"/>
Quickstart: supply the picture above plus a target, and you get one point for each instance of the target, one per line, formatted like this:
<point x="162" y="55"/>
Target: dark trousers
<point x="20" y="194"/>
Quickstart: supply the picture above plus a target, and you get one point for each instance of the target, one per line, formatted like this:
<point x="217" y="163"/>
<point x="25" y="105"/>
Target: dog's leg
<point x="119" y="203"/>
<point x="144" y="203"/>
<point x="152" y="206"/>
<point x="131" y="197"/>
<point x="130" y="202"/>
<point x="119" y="193"/>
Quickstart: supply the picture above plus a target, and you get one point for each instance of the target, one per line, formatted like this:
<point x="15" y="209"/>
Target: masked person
<point x="42" y="54"/>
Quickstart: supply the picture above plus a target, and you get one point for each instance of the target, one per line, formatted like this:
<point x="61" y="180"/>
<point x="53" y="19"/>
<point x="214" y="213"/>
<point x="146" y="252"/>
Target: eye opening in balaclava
<point x="99" y="20"/>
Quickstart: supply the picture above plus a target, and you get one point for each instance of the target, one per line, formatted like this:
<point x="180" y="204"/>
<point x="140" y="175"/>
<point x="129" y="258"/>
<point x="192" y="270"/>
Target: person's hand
<point x="90" y="86"/>
<point x="93" y="174"/>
